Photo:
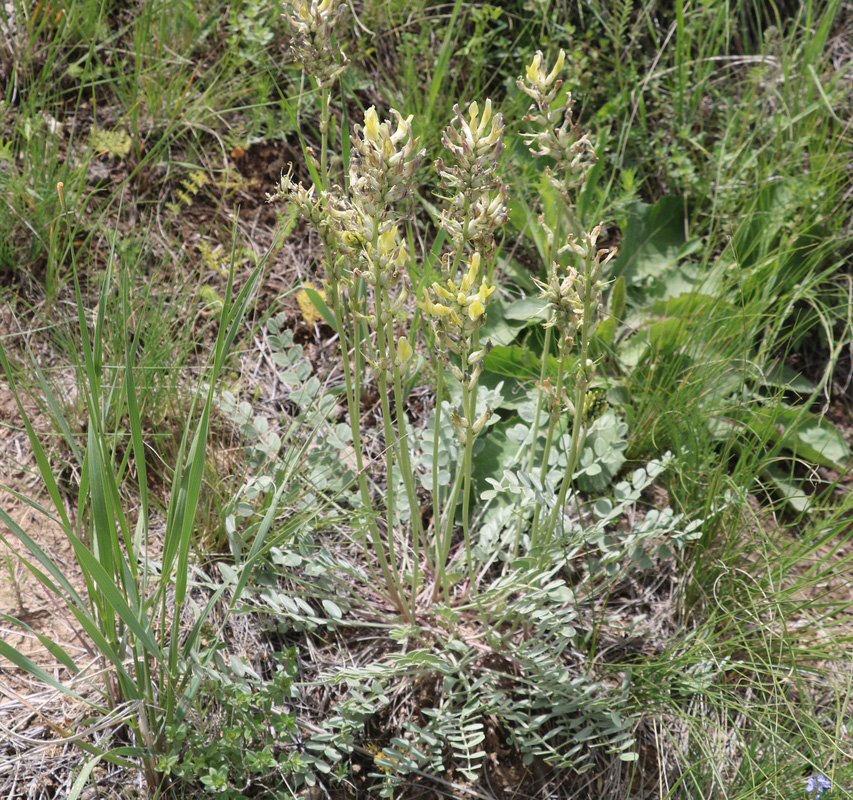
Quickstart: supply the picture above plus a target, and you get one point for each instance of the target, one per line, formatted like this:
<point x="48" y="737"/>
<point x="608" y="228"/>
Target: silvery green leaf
<point x="244" y="509"/>
<point x="332" y="609"/>
<point x="289" y="559"/>
<point x="602" y="507"/>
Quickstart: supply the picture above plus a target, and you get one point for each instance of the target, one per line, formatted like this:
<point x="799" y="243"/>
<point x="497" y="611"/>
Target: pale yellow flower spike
<point x="474" y="114"/>
<point x="485" y="292"/>
<point x="402" y="127"/>
<point x="303" y="11"/>
<point x="441" y="291"/>
<point x="484" y="121"/>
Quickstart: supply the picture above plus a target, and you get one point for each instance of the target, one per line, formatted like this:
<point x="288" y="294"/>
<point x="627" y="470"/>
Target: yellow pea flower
<point x="533" y="68"/>
<point x="371" y="124"/>
<point x="404" y="350"/>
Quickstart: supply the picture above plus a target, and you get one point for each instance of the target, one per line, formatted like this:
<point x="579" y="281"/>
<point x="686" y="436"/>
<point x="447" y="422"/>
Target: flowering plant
<point x="817" y="785"/>
<point x="369" y="284"/>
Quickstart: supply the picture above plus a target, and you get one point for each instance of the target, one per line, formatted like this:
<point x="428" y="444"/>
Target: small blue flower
<point x="818" y="784"/>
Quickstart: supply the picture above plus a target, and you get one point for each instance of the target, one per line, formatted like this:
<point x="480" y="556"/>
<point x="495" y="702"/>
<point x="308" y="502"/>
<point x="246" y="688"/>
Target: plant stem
<point x="325" y="95"/>
<point x="353" y="393"/>
<point x="543" y="376"/>
<point x="469" y="403"/>
<point x="553" y="423"/>
<point x="436" y="494"/>
<point x="580" y="396"/>
<point x="402" y="444"/>
<point x="446" y="532"/>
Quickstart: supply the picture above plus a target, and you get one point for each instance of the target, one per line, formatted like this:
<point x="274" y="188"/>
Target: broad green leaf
<point x="605" y="333"/>
<point x="617" y="298"/>
<point x="784" y="377"/>
<point x="804" y="434"/>
<point x="518" y="362"/>
<point x="653" y="244"/>
<point x="529" y="309"/>
<point x="498" y="452"/>
<point x="513" y="391"/>
<point x="516" y="274"/>
<point x="812" y="437"/>
<point x="526" y="221"/>
<point x="691" y="305"/>
<point x="332" y="609"/>
<point x="496" y="329"/>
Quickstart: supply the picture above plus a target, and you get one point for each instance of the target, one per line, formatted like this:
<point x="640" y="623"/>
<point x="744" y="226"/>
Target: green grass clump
<point x="539" y="481"/>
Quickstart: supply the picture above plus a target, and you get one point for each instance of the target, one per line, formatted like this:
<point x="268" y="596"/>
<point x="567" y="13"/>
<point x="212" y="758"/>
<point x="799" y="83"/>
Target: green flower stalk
<point x="556" y="135"/>
<point x="575" y="306"/>
<point x="572" y="294"/>
<point x="313" y="45"/>
<point x="382" y="165"/>
<point x="365" y="271"/>
<point x="315" y="48"/>
<point x="456" y="305"/>
<point x="457" y="310"/>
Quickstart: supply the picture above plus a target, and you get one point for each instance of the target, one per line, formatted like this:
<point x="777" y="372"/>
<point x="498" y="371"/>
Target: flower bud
<point x="478" y="425"/>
